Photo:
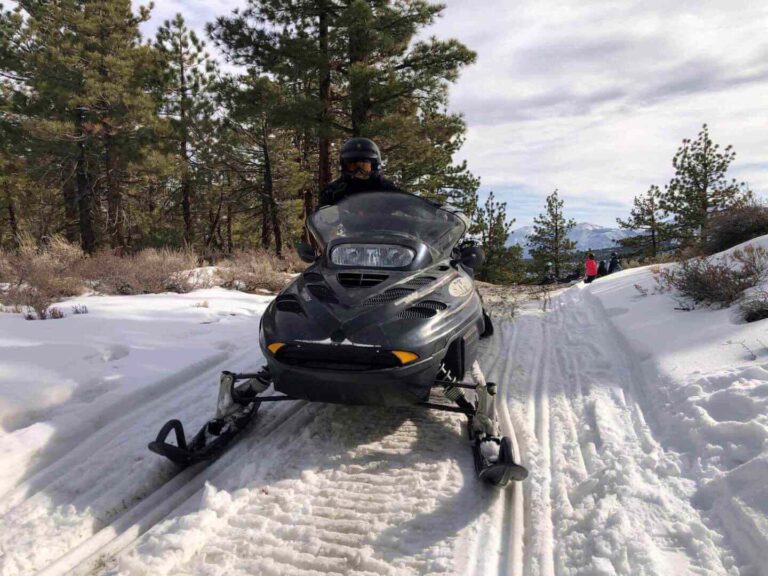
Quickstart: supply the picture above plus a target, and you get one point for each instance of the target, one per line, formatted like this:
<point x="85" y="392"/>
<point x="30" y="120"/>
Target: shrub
<point x="253" y="271"/>
<point x="55" y="313"/>
<point x="755" y="308"/>
<point x="734" y="226"/>
<point x="719" y="281"/>
<point x="147" y="272"/>
<point x="38" y="276"/>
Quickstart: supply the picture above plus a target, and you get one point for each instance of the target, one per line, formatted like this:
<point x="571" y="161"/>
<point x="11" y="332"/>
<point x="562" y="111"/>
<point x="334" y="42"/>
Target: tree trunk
<point x="69" y="196"/>
<point x="324" y="142"/>
<point x="186" y="180"/>
<point x="12" y="222"/>
<point x="84" y="197"/>
<point x="358" y="92"/>
<point x="265" y="230"/>
<point x="270" y="203"/>
<point x="114" y="197"/>
<point x="229" y="228"/>
<point x="309" y="195"/>
<point x="214" y="221"/>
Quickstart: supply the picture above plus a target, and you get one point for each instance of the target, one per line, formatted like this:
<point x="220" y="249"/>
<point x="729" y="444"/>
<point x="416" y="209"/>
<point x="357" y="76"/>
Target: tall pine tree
<point x="350" y="67"/>
<point x="187" y="77"/>
<point x="82" y="104"/>
<point x="549" y="243"/>
<point x="700" y="186"/>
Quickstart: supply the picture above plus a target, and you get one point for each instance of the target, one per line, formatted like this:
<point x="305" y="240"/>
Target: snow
<point x="645" y="430"/>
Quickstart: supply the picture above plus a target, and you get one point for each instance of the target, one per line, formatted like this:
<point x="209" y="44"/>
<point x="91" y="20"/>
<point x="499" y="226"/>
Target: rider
<point x="360" y="165"/>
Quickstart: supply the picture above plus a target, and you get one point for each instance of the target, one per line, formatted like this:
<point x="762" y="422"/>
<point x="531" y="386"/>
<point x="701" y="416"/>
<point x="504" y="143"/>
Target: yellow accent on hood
<point x="405" y="357"/>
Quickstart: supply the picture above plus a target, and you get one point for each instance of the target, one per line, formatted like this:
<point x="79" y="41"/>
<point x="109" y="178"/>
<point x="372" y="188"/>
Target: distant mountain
<point x="587" y="237"/>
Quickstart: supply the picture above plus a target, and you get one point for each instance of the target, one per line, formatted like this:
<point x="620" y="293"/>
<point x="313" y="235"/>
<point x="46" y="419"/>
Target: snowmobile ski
<point x="495" y="463"/>
<point x="237" y="407"/>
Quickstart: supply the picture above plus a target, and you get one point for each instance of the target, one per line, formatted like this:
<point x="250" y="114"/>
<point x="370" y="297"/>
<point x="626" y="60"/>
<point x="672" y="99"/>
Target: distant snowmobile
<point x="386" y="315"/>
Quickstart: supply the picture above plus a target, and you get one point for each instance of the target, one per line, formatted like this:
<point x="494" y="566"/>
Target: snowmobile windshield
<point x="391" y="215"/>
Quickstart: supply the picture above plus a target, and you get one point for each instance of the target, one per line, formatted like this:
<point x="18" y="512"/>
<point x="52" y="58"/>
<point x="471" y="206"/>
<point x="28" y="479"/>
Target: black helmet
<point x="360" y="149"/>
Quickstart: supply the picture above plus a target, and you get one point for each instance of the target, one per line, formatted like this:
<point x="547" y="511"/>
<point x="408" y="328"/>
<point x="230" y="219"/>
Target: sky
<point x="591" y="97"/>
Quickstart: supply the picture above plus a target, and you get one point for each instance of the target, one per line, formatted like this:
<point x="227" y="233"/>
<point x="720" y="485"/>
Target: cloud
<point x="594" y="98"/>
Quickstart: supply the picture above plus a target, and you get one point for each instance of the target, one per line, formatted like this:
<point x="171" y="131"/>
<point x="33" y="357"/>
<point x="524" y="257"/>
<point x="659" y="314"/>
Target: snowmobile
<point x="386" y="315"/>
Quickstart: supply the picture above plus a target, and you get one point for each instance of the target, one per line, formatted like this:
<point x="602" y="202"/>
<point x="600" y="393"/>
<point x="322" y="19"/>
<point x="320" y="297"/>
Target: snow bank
<point x="702" y="380"/>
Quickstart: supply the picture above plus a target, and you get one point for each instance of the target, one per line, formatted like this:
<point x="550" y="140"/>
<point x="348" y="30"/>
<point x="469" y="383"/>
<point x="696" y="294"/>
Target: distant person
<point x="614" y="266"/>
<point x="591" y="267"/>
<point x="602" y="269"/>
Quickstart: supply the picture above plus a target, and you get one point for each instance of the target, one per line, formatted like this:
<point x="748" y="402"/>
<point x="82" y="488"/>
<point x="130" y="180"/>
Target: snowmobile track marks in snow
<point x="359" y="491"/>
<point x="136" y="520"/>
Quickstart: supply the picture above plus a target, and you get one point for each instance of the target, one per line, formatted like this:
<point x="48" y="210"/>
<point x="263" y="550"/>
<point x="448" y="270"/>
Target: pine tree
<point x="699" y="186"/>
<point x="646" y="218"/>
<point x="294" y="43"/>
<point x="502" y="263"/>
<point x="549" y="241"/>
<point x="80" y="96"/>
<point x="350" y="67"/>
<point x="187" y="77"/>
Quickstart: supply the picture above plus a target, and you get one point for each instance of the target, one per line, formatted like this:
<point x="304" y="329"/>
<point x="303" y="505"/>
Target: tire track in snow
<point x="142" y="510"/>
<point x="116" y="417"/>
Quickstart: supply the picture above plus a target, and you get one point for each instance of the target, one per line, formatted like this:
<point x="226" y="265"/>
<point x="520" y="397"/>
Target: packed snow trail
<point x="604" y="496"/>
<point x="646" y="441"/>
<point x="354" y="491"/>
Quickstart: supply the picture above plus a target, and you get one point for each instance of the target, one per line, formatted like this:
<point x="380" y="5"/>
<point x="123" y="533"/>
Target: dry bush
<point x="147" y="272"/>
<point x="38" y="276"/>
<point x="253" y="271"/>
<point x="734" y="226"/>
<point x="719" y="281"/>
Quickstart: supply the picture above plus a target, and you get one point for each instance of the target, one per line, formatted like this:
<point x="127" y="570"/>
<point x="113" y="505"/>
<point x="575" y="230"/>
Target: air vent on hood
<point x="353" y="280"/>
<point x="424" y="309"/>
<point x="288" y="303"/>
<point x="322" y="292"/>
<point x="313" y="277"/>
<point x="420" y="281"/>
<point x="388" y="296"/>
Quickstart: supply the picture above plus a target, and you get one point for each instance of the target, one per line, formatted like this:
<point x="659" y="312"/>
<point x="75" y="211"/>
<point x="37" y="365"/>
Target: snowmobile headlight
<point x="405" y="357"/>
<point x="372" y="255"/>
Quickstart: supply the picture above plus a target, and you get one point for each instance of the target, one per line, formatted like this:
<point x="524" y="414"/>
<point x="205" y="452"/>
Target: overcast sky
<point x="594" y="97"/>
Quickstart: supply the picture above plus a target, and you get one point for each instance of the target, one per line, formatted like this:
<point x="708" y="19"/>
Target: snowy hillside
<point x="645" y="430"/>
<point x="587" y="237"/>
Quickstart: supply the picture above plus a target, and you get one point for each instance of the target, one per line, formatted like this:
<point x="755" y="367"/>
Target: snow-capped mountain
<point x="587" y="237"/>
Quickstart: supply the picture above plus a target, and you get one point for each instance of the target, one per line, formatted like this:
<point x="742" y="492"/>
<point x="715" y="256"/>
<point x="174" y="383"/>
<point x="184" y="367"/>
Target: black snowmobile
<point x="386" y="315"/>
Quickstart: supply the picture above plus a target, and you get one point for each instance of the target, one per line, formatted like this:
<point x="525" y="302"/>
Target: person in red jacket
<point x="591" y="267"/>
